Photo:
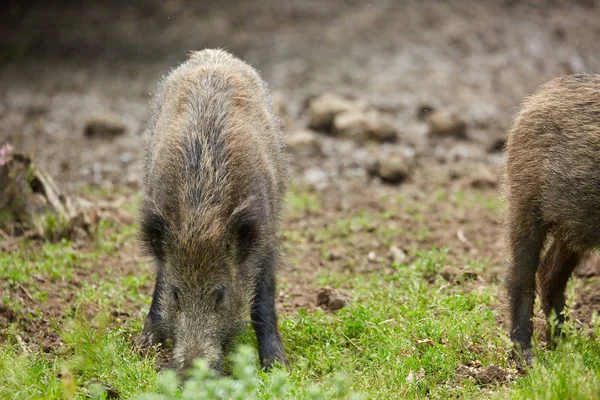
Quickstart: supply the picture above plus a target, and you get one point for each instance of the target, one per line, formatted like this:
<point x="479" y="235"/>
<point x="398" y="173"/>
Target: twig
<point x="26" y="292"/>
<point x="22" y="344"/>
<point x="461" y="236"/>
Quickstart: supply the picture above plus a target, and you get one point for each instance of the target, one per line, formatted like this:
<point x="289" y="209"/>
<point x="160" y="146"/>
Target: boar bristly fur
<point x="552" y="190"/>
<point x="214" y="179"/>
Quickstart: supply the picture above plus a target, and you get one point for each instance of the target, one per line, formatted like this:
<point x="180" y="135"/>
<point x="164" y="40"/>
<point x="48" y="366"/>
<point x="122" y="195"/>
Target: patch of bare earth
<point x="39" y="322"/>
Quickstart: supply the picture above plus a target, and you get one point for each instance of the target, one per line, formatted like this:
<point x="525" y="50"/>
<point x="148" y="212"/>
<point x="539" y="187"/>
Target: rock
<point x="323" y="109"/>
<point x="365" y="125"/>
<point x="449" y="273"/>
<point x="382" y="128"/>
<point x="392" y="170"/>
<point x="351" y="124"/>
<point x="126" y="158"/>
<point x="446" y="124"/>
<point x="453" y="174"/>
<point x="483" y="179"/>
<point x="104" y="126"/>
<point x="397" y="255"/>
<point x="336" y="253"/>
<point x="304" y="143"/>
<point x="332" y="299"/>
<point x="372" y="257"/>
<point x="461" y="152"/>
<point x="317" y="178"/>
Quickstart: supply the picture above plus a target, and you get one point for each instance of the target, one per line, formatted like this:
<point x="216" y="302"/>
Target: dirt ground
<point x="61" y="64"/>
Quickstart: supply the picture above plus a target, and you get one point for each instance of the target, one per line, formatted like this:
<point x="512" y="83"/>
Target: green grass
<point x="404" y="333"/>
<point x="299" y="202"/>
<point x="397" y="326"/>
<point x="92" y="354"/>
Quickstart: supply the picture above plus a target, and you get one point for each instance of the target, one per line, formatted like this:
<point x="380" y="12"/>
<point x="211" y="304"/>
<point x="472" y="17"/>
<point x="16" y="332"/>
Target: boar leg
<point x="555" y="270"/>
<point x="153" y="331"/>
<point x="526" y="241"/>
<point x="264" y="316"/>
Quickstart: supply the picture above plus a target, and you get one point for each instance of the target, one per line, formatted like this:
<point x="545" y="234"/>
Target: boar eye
<point x="221" y="296"/>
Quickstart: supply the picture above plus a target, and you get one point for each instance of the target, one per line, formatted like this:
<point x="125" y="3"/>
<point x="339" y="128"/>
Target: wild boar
<point x="215" y="174"/>
<point x="552" y="190"/>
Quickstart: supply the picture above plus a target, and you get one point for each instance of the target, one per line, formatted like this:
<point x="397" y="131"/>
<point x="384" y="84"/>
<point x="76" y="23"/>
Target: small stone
<point x="317" y="178"/>
<point x="332" y="299"/>
<point x="350" y="124"/>
<point x="483" y="179"/>
<point x="336" y="253"/>
<point x="304" y="143"/>
<point x="323" y="109"/>
<point x="105" y="126"/>
<point x="453" y="174"/>
<point x="381" y="127"/>
<point x="372" y="257"/>
<point x="362" y="125"/>
<point x="462" y="151"/>
<point x="126" y="158"/>
<point x="449" y="274"/>
<point x="392" y="170"/>
<point x="446" y="124"/>
<point x="336" y="304"/>
<point x="397" y="255"/>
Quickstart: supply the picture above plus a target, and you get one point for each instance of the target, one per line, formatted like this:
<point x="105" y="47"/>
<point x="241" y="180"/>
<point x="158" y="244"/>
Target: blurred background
<point x="63" y="63"/>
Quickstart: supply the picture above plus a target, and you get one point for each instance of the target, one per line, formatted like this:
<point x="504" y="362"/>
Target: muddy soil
<point x="61" y="66"/>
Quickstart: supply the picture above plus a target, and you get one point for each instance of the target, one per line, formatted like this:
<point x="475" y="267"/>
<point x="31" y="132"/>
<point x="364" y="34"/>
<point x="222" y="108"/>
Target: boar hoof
<point x="275" y="355"/>
<point x="144" y="340"/>
<point x="267" y="363"/>
<point x="523" y="359"/>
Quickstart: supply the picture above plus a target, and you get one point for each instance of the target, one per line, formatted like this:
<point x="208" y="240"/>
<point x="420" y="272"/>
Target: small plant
<point x="52" y="226"/>
<point x="245" y="383"/>
<point x="301" y="202"/>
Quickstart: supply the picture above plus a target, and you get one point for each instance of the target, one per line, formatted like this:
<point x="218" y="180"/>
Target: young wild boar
<point x="552" y="188"/>
<point x="215" y="176"/>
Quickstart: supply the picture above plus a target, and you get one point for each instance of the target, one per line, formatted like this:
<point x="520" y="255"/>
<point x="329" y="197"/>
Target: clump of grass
<point x="53" y="261"/>
<point x="245" y="383"/>
<point x="52" y="226"/>
<point x="26" y="375"/>
<point x="566" y="373"/>
<point x="298" y="202"/>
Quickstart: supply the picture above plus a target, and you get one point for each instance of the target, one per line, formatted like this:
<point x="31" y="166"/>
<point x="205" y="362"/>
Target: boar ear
<point x="243" y="229"/>
<point x="152" y="233"/>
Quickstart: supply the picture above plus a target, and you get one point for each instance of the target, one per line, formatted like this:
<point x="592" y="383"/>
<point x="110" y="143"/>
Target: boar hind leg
<point x="526" y="238"/>
<point x="154" y="332"/>
<point x="264" y="316"/>
<point x="555" y="270"/>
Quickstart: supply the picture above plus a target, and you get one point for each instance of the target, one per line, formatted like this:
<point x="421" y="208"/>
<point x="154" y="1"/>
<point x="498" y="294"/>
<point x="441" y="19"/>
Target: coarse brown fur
<point x="215" y="176"/>
<point x="552" y="190"/>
